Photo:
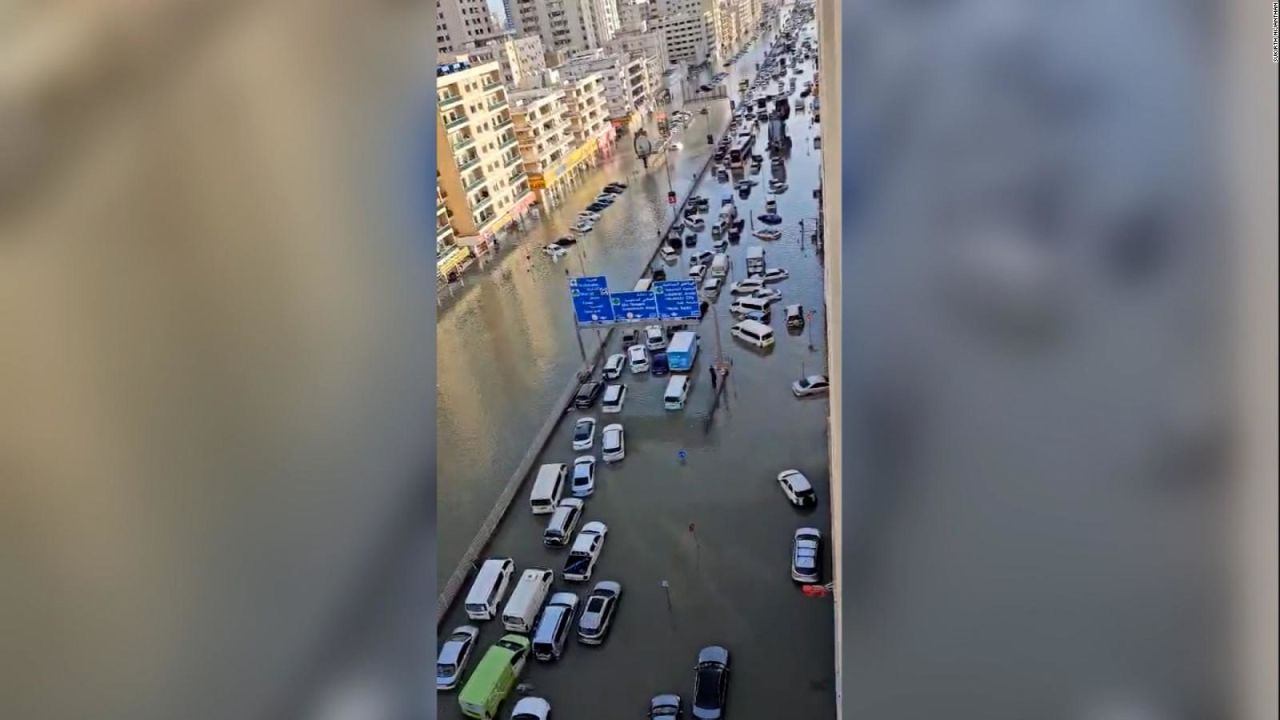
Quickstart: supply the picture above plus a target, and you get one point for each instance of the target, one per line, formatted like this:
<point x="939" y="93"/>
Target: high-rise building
<point x="567" y="25"/>
<point x="481" y="173"/>
<point x="690" y="29"/>
<point x="520" y="57"/>
<point x="460" y="23"/>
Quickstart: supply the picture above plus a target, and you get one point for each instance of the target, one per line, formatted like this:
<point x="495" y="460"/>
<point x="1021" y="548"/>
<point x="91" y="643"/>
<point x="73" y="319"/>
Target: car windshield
<point x="576" y="563"/>
<point x="707" y="694"/>
<point x="581" y="472"/>
<point x="595" y="605"/>
<point x="611" y="440"/>
<point x="582" y="431"/>
<point x="446" y="670"/>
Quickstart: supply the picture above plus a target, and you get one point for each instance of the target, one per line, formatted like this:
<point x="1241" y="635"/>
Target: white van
<point x="720" y="265"/>
<point x="526" y="600"/>
<point x="677" y="392"/>
<point x="488" y="587"/>
<point x="755" y="260"/>
<point x="654" y="338"/>
<point x="614" y="396"/>
<point x="743" y="306"/>
<point x="644" y="285"/>
<point x="548" y="486"/>
<point x="752" y="332"/>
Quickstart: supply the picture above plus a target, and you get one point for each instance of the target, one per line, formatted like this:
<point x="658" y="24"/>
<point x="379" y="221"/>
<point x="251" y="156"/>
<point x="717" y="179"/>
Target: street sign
<point x="634" y="305"/>
<point x="677" y="300"/>
<point x="590" y="297"/>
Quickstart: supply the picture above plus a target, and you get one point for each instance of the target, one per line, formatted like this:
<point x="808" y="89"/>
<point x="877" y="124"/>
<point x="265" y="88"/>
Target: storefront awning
<point x="452" y="261"/>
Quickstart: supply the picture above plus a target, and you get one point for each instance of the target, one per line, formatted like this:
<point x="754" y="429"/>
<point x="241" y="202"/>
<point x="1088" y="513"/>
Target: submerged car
<point x="665" y="707"/>
<point x="711" y="683"/>
<point x="797" y="488"/>
<point x="584" y="433"/>
<point x="812" y="385"/>
<point x="806" y="556"/>
<point x="597" y="612"/>
<point x="453" y="656"/>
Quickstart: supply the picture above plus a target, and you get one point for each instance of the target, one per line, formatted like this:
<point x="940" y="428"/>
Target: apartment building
<point x="567" y="25"/>
<point x="690" y="29"/>
<point x="545" y="140"/>
<point x="628" y="86"/>
<point x="460" y="23"/>
<point x="450" y="258"/>
<point x="648" y="41"/>
<point x="481" y="173"/>
<point x="520" y="57"/>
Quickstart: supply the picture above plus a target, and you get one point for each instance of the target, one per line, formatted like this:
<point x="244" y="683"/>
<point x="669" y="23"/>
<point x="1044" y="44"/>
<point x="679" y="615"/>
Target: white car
<point x="555" y="251"/>
<point x="584" y="226"/>
<point x="584" y="433"/>
<point x="614" y="396"/>
<point x="654" y="338"/>
<point x="711" y="288"/>
<point x="696" y="272"/>
<point x="812" y="385"/>
<point x="747" y="287"/>
<point x="638" y="359"/>
<point x="773" y="275"/>
<point x="453" y="656"/>
<point x="531" y="708"/>
<point x="613" y="445"/>
<point x="584" y="552"/>
<point x="769" y="295"/>
<point x="584" y="476"/>
<point x="613" y="366"/>
<point x="669" y="254"/>
<point x="797" y="488"/>
<point x="589" y="216"/>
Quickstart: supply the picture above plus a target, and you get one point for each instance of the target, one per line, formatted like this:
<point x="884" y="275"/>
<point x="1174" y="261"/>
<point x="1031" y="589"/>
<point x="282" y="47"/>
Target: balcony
<point x="449" y="100"/>
<point x="496" y="103"/>
<point x="509" y="143"/>
<point x="442" y="230"/>
<point x="463" y="143"/>
<point x="469" y="163"/>
<point x="451" y="125"/>
<point x="491" y="85"/>
<point x="479" y="206"/>
<point x="477" y="182"/>
<point x="508" y="162"/>
<point x="502" y="124"/>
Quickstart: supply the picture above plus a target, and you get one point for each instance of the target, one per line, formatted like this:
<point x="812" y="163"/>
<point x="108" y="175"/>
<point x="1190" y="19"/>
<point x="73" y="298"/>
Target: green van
<point x="494" y="677"/>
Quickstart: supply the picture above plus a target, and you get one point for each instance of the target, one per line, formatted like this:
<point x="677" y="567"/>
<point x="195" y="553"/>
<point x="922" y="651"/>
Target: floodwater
<point x="505" y="345"/>
<point x="715" y="527"/>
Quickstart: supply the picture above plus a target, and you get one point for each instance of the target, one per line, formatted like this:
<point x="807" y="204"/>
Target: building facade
<point x="628" y="87"/>
<point x="460" y="23"/>
<point x="567" y="25"/>
<point x="690" y="29"/>
<point x="520" y="57"/>
<point x="481" y="177"/>
<point x="542" y="129"/>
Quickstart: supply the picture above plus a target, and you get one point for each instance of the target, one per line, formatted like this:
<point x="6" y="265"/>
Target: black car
<point x="659" y="274"/>
<point x="566" y="241"/>
<point x="587" y="394"/>
<point x="690" y="240"/>
<point x="596" y="207"/>
<point x="711" y="683"/>
<point x="674" y="242"/>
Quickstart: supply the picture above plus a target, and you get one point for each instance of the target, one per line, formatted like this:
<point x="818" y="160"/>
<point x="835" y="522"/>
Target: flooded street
<point x="505" y="345"/>
<point x="715" y="527"/>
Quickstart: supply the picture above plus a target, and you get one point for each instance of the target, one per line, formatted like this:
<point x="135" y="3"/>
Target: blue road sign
<point x="677" y="299"/>
<point x="590" y="297"/>
<point x="634" y="305"/>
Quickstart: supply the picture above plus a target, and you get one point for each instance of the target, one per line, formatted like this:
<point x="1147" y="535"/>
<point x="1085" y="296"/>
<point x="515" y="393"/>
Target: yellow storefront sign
<point x="536" y="182"/>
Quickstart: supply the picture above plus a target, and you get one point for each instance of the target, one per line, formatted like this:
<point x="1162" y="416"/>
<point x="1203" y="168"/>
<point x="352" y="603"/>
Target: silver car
<point x="665" y="707"/>
<point x="453" y="656"/>
<point x="806" y="556"/>
<point x="597" y="612"/>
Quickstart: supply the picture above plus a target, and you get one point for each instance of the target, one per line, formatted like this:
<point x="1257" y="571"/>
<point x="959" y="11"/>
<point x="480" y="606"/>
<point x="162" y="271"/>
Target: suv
<point x="562" y="523"/>
<point x="553" y="627"/>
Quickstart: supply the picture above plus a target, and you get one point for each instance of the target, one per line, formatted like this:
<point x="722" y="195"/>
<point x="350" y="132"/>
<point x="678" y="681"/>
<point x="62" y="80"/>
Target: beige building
<point x="460" y="23"/>
<point x="542" y="128"/>
<point x="520" y="57"/>
<point x="481" y="174"/>
<point x="628" y="83"/>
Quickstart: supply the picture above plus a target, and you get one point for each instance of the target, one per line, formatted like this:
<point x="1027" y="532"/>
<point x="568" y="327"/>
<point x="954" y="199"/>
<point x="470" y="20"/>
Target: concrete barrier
<point x="452" y="586"/>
